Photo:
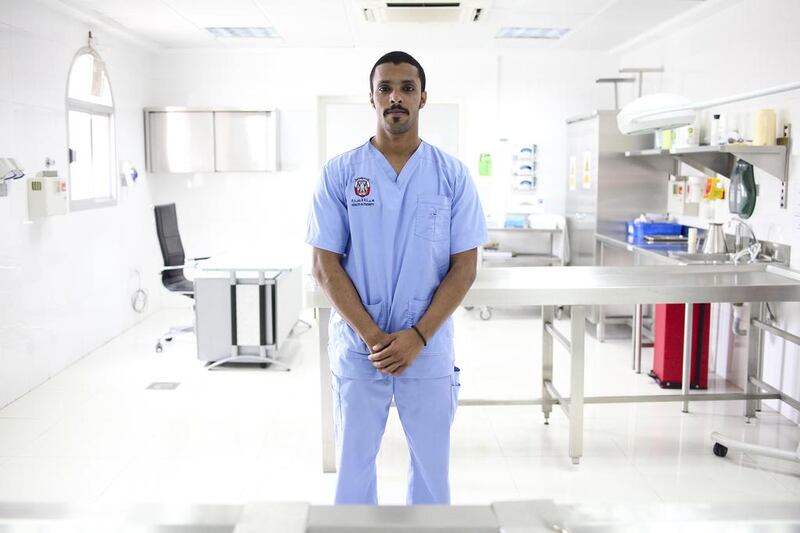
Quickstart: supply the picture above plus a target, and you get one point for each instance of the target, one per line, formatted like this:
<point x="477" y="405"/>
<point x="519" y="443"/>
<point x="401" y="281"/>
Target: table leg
<point x="687" y="353"/>
<point x="760" y="372"/>
<point x="326" y="397"/>
<point x="636" y="338"/>
<point x="578" y="328"/>
<point x="547" y="361"/>
<point x="601" y="322"/>
<point x="757" y="310"/>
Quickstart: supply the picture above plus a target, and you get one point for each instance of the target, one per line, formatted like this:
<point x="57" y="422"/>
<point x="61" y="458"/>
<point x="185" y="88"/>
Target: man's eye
<point x="383" y="88"/>
<point x="408" y="88"/>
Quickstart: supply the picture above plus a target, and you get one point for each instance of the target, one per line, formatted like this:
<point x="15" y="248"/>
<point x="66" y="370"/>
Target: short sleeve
<point x="467" y="221"/>
<point x="328" y="226"/>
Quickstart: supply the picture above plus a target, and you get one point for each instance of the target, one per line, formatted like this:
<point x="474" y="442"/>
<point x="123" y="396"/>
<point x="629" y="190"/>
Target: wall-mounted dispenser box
<point x="47" y="195"/>
<point x="681" y="195"/>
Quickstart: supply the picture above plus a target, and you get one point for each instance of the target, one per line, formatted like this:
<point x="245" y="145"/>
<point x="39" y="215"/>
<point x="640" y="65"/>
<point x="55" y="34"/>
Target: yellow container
<point x="764" y="127"/>
<point x="667" y="136"/>
<point x="715" y="190"/>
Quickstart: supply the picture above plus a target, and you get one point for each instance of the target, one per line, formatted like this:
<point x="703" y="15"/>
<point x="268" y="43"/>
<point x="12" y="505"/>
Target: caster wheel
<point x="720" y="450"/>
<point x="159" y="348"/>
<point x="168" y="339"/>
<point x="263" y="365"/>
<point x="469" y="307"/>
<point x="486" y="314"/>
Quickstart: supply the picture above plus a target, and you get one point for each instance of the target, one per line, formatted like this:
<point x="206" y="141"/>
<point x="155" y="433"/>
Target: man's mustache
<point x="395" y="108"/>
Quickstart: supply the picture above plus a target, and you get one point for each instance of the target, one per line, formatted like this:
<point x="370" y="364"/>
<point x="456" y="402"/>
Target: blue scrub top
<point x="396" y="234"/>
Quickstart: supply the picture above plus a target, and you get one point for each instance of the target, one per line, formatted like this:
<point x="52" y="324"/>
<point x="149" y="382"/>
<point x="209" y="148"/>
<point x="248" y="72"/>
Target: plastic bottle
<point x="713" y="135"/>
<point x="691" y="245"/>
<point x="722" y="130"/>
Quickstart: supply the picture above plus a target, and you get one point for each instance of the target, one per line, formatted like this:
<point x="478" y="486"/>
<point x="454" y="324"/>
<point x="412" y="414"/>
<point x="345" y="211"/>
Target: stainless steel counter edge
<point x="662" y="251"/>
<point x="521" y="286"/>
<point x="622" y="243"/>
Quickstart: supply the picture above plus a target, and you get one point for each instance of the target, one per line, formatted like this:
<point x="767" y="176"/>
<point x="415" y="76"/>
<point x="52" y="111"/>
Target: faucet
<point x="752" y="248"/>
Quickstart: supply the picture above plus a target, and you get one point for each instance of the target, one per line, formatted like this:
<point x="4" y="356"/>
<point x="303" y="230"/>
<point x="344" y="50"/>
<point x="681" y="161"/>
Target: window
<point x="90" y="126"/>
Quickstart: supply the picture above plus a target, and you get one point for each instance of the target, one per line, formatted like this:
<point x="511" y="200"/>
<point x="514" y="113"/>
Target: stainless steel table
<point x="580" y="287"/>
<point x="533" y="516"/>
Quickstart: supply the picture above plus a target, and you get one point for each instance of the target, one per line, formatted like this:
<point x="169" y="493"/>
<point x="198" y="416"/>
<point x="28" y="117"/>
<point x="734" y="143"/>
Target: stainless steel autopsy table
<point x="579" y="288"/>
<point x="533" y="516"/>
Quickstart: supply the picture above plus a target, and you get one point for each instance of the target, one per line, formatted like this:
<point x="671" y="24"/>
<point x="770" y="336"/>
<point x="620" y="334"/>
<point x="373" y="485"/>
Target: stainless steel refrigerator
<point x="605" y="188"/>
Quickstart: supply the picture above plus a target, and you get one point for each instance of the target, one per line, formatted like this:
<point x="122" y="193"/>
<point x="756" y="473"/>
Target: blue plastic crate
<point x="637" y="230"/>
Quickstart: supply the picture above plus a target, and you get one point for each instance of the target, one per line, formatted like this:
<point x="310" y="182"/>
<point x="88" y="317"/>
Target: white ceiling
<point x="595" y="24"/>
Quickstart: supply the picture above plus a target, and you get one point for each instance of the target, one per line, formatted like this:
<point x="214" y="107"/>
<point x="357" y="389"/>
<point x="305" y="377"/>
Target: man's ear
<point x="423" y="99"/>
<point x="371" y="101"/>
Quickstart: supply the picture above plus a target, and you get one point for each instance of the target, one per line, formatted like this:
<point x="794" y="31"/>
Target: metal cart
<point x="523" y="247"/>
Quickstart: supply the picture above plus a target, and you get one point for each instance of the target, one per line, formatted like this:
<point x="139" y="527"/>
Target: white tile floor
<point x="94" y="434"/>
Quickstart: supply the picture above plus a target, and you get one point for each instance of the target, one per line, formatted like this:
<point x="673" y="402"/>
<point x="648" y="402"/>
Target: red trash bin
<point x="668" y="345"/>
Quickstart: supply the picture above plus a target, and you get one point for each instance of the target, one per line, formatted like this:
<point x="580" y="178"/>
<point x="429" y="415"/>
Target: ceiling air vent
<point x="407" y="11"/>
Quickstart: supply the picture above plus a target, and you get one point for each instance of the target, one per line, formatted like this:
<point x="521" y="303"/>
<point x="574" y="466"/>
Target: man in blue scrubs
<point x="395" y="225"/>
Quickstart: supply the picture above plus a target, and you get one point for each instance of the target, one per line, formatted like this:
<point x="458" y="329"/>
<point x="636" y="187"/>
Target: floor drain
<point x="163" y="385"/>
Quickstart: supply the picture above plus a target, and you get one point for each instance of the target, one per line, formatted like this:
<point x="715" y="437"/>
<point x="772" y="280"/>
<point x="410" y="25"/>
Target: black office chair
<point x="172" y="276"/>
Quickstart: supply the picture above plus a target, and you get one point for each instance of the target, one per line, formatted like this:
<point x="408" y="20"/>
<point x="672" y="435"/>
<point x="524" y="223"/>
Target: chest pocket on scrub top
<point x="432" y="219"/>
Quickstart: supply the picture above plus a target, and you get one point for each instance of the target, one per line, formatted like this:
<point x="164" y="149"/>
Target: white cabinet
<point x="211" y="140"/>
<point x="244" y="141"/>
<point x="180" y="141"/>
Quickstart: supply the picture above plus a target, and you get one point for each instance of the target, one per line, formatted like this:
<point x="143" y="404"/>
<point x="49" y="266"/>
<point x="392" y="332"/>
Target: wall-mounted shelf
<point x="656" y="158"/>
<point x="720" y="159"/>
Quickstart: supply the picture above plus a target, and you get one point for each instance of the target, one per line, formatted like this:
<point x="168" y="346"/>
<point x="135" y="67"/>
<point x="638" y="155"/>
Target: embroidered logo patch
<point x="362" y="187"/>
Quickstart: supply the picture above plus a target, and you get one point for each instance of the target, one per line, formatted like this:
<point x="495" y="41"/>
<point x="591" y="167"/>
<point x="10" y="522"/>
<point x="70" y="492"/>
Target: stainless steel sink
<point x="715" y="259"/>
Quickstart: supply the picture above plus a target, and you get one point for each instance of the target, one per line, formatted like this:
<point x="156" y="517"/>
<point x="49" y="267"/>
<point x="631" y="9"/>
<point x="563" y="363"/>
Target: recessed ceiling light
<point x="530" y="33"/>
<point x="244" y="33"/>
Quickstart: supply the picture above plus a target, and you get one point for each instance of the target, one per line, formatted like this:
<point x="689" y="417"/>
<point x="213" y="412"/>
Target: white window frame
<point x="92" y="108"/>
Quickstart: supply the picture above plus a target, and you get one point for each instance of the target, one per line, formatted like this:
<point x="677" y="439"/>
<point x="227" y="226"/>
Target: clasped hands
<point x="392" y="353"/>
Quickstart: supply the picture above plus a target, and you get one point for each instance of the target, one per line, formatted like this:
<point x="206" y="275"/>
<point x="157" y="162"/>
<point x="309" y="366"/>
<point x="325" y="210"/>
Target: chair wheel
<point x="486" y="314"/>
<point x="263" y="365"/>
<point x="159" y="348"/>
<point x="168" y="339"/>
<point x="469" y="307"/>
<point x="720" y="450"/>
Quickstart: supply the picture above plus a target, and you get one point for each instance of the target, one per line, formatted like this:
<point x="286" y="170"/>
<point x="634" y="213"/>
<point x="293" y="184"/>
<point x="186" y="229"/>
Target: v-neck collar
<point x="398" y="179"/>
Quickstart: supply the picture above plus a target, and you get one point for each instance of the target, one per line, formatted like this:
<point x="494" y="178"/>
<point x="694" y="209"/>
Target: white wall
<point x="537" y="92"/>
<point x="751" y="45"/>
<point x="67" y="287"/>
<point x="521" y="96"/>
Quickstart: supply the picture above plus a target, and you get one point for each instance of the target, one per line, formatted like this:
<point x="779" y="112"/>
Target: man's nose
<point x="396" y="96"/>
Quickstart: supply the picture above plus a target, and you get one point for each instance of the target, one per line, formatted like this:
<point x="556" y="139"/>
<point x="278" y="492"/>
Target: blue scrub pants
<point x="426" y="408"/>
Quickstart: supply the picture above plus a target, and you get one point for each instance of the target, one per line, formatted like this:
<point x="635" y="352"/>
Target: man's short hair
<point x="396" y="58"/>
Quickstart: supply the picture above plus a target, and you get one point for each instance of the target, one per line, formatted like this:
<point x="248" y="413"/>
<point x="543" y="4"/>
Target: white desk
<point x="580" y="287"/>
<point x="245" y="308"/>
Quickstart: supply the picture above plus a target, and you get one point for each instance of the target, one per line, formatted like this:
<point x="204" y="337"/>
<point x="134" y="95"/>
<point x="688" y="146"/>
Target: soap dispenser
<point x="742" y="193"/>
